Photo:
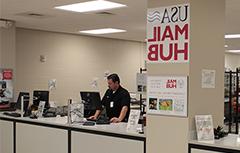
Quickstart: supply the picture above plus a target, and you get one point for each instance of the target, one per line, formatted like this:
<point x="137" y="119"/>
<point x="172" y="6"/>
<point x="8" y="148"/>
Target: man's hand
<point x="95" y="116"/>
<point x="92" y="118"/>
<point x="115" y="120"/>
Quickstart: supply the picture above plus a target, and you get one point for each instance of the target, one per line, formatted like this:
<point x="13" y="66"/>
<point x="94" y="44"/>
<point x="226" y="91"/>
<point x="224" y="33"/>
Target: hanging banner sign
<point x="167" y="95"/>
<point x="168" y="36"/>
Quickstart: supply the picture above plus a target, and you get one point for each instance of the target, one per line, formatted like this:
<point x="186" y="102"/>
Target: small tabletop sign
<point x="77" y="112"/>
<point x="204" y="127"/>
<point x="133" y="121"/>
<point x="41" y="108"/>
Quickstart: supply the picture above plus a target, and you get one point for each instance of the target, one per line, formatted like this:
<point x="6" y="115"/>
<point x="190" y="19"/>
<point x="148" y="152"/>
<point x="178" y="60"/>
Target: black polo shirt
<point x="114" y="102"/>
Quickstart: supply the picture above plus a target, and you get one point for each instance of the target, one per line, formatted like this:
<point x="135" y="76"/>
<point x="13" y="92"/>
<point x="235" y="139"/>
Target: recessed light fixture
<point x="234" y="51"/>
<point x="90" y="6"/>
<point x="102" y="31"/>
<point x="232" y="36"/>
<point x="226" y="46"/>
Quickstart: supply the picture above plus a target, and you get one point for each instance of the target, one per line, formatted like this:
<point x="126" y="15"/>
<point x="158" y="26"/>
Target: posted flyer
<point x="167" y="95"/>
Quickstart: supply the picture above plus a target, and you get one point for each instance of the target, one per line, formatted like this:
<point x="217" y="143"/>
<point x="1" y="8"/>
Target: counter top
<point x="61" y="122"/>
<point x="232" y="141"/>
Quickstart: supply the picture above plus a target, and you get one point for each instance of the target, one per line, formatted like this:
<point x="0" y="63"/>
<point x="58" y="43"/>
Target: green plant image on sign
<point x="166" y="104"/>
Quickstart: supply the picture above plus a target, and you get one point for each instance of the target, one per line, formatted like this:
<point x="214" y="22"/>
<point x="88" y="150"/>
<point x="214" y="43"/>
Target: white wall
<point x="74" y="61"/>
<point x="0" y="46"/>
<point x="232" y="61"/>
<point x="7" y="47"/>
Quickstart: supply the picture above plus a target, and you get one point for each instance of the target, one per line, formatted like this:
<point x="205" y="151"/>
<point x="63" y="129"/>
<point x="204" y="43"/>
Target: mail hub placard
<point x="168" y="31"/>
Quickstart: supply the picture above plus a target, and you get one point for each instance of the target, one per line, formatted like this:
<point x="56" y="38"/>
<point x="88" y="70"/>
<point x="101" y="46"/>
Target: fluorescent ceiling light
<point x="89" y="6"/>
<point x="234" y="51"/>
<point x="233" y="36"/>
<point x="102" y="31"/>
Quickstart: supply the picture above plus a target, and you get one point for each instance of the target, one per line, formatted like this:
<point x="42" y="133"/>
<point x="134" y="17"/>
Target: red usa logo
<point x="7" y="75"/>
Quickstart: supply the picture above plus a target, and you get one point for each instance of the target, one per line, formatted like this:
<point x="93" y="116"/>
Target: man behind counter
<point x="116" y="101"/>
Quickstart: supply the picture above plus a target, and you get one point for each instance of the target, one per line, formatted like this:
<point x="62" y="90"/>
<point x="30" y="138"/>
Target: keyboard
<point x="89" y="123"/>
<point x="12" y="114"/>
<point x="49" y="115"/>
<point x="92" y="120"/>
<point x="7" y="109"/>
<point x="102" y="121"/>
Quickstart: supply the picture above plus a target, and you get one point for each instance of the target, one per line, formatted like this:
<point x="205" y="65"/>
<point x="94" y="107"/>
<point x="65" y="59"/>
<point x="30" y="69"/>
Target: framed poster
<point x="6" y="85"/>
<point x="167" y="95"/>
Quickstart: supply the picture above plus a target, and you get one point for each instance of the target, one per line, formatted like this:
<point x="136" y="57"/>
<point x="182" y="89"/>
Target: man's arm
<point x="121" y="116"/>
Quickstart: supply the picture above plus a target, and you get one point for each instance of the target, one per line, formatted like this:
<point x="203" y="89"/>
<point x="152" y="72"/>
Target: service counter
<point x="54" y="135"/>
<point x="229" y="144"/>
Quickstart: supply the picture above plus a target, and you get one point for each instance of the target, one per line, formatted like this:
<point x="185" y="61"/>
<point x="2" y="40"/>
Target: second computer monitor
<point x="92" y="101"/>
<point x="39" y="95"/>
<point x="26" y="98"/>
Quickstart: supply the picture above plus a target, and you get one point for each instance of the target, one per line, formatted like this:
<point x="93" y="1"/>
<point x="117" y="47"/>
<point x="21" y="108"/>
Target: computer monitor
<point x="3" y="84"/>
<point x="26" y="98"/>
<point x="41" y="96"/>
<point x="92" y="101"/>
